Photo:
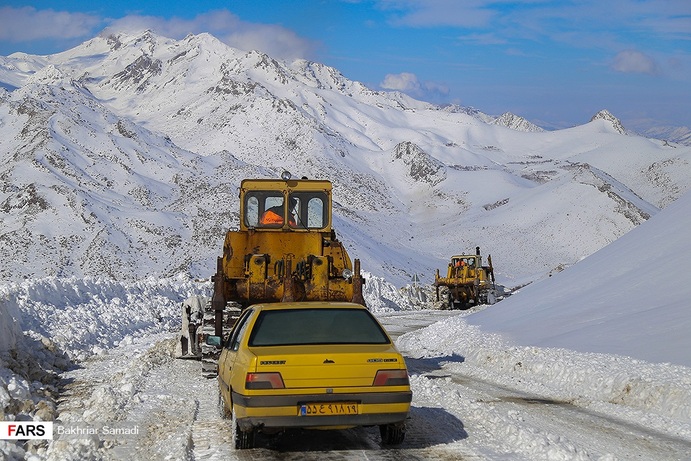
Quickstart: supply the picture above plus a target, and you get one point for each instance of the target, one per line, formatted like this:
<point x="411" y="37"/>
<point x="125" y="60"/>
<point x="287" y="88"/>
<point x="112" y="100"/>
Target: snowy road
<point x="458" y="413"/>
<point x="509" y="419"/>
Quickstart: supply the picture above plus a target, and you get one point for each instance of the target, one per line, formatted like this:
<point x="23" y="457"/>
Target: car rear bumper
<point x="375" y="408"/>
<point x="339" y="421"/>
<point x="366" y="398"/>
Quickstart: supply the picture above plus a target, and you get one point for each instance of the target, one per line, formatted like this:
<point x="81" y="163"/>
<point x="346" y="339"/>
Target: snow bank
<point x="28" y="375"/>
<point x="382" y="296"/>
<point x="630" y="298"/>
<point x="45" y="323"/>
<point x="85" y="316"/>
<point x="658" y="395"/>
<point x="10" y="329"/>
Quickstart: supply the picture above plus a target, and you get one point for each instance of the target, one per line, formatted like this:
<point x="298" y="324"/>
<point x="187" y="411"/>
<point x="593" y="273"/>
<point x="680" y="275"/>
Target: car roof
<point x="308" y="305"/>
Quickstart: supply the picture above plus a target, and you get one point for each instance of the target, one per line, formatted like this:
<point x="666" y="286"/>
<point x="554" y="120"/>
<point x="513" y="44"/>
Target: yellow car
<point x="320" y="365"/>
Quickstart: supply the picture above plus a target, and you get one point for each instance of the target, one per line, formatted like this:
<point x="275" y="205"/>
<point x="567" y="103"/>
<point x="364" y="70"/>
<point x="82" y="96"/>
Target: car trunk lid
<point x="328" y="366"/>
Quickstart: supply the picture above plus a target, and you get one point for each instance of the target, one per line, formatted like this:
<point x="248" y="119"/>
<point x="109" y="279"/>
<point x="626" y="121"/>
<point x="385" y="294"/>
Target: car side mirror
<point x="214" y="341"/>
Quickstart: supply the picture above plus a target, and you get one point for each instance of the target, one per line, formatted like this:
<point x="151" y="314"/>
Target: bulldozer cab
<point x="460" y="263"/>
<point x="464" y="260"/>
<point x="297" y="205"/>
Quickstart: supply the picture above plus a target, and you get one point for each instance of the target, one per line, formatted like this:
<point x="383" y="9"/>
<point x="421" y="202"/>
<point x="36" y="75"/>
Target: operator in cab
<point x="274" y="215"/>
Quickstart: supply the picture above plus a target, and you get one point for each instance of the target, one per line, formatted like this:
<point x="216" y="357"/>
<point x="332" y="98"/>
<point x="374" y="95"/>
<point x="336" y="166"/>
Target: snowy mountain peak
<point x="473" y="112"/>
<point x="112" y="40"/>
<point x="319" y="75"/>
<point x="507" y="119"/>
<point x="143" y="39"/>
<point x="139" y="72"/>
<point x="49" y="75"/>
<point x="516" y="122"/>
<point x="608" y="117"/>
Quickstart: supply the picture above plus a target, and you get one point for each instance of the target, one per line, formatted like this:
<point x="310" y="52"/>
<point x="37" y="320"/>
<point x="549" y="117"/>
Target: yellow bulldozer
<point x="467" y="283"/>
<point x="284" y="250"/>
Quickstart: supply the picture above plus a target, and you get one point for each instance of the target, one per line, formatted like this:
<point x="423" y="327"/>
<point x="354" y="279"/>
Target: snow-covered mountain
<point x="611" y="119"/>
<point x="673" y="134"/>
<point x="122" y="157"/>
<point x="515" y="122"/>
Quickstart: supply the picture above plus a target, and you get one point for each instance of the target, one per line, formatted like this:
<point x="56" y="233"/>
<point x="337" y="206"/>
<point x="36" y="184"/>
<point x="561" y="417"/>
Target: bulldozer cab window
<point x="264" y="209"/>
<point x="309" y="209"/>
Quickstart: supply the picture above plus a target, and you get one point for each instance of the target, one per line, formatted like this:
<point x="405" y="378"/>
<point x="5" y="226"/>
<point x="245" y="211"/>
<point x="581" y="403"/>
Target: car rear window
<point x="316" y="326"/>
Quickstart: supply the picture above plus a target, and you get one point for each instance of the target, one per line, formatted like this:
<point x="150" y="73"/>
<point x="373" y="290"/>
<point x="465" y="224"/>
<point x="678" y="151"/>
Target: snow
<point x="86" y="316"/>
<point x="8" y="326"/>
<point x="608" y="335"/>
<point x="623" y="299"/>
<point x="657" y="389"/>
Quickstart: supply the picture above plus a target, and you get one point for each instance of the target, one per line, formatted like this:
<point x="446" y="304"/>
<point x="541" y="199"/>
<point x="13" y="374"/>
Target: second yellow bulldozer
<point x="467" y="282"/>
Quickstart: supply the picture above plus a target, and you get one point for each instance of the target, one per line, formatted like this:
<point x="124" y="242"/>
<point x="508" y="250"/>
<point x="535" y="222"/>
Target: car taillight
<point x="264" y="381"/>
<point x="391" y="378"/>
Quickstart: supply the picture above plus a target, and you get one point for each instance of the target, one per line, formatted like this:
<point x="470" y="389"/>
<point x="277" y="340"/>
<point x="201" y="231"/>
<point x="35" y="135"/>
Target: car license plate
<point x="328" y="409"/>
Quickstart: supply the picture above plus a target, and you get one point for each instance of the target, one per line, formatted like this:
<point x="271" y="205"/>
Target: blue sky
<point x="556" y="63"/>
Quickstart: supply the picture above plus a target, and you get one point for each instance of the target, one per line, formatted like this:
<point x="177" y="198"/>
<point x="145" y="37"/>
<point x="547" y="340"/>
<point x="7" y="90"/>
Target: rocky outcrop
<point x="608" y="117"/>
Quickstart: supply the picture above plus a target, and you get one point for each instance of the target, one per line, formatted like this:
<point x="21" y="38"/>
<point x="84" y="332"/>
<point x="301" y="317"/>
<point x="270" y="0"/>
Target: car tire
<point x="243" y="439"/>
<point x="392" y="434"/>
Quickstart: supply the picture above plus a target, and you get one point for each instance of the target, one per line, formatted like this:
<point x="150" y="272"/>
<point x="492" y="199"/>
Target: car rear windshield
<point x="316" y="326"/>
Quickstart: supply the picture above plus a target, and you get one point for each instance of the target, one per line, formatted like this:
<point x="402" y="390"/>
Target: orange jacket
<point x="270" y="217"/>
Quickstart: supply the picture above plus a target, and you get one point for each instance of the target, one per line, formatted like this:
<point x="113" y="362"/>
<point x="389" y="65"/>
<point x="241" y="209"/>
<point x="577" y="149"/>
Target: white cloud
<point x="27" y="23"/>
<point x="409" y="83"/>
<point x="276" y="41"/>
<point x="634" y="62"/>
<point x="404" y="81"/>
